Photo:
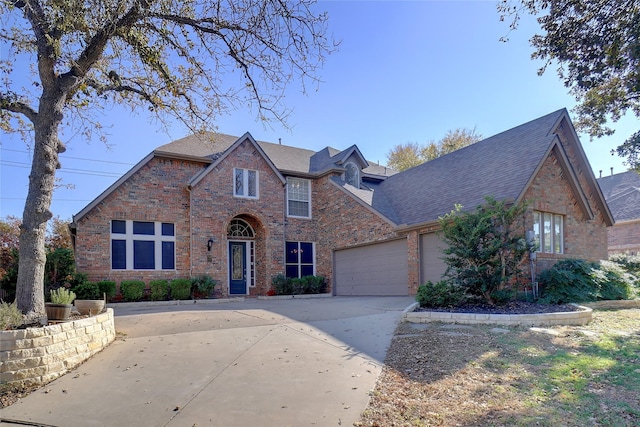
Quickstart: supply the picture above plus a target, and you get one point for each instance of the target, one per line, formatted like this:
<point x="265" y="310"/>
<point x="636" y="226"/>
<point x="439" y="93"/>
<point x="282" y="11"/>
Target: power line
<point x="55" y="200"/>
<point x="74" y="158"/>
<point x="64" y="170"/>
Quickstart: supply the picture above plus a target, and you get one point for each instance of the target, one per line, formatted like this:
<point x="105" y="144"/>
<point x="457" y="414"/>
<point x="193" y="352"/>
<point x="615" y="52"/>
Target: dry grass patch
<point x="454" y="375"/>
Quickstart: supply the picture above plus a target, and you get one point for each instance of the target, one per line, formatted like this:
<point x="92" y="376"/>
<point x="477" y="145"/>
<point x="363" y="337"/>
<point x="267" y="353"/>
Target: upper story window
<point x="298" y="197"/>
<point x="245" y="183"/>
<point x="352" y="175"/>
<point x="143" y="245"/>
<point x="548" y="231"/>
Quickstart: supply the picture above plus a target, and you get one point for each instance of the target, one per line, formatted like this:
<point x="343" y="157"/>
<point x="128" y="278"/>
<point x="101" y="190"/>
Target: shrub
<point x="76" y="279"/>
<point x="485" y="247"/>
<point x="59" y="265"/>
<point x="62" y="296"/>
<point x="203" y="285"/>
<point x="180" y="288"/>
<point x="315" y="285"/>
<point x="298" y="285"/>
<point x="282" y="285"/>
<point x="107" y="287"/>
<point x="630" y="263"/>
<point x="159" y="290"/>
<point x="614" y="282"/>
<point x="87" y="290"/>
<point x="575" y="280"/>
<point x="10" y="316"/>
<point x="569" y="280"/>
<point x="440" y="294"/>
<point x="132" y="290"/>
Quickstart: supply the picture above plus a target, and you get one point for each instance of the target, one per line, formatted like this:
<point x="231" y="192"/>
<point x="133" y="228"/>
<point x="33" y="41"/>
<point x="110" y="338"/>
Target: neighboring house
<point x="622" y="193"/>
<point x="243" y="211"/>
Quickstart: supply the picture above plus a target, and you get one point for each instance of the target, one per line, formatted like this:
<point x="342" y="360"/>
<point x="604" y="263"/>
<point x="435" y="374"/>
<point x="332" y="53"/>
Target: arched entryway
<point x="241" y="238"/>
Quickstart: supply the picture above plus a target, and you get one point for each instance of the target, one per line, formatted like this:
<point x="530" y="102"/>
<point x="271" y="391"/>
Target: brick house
<point x="243" y="211"/>
<point x="622" y="193"/>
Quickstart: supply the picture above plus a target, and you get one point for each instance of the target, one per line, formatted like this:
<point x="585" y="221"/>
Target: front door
<point x="237" y="268"/>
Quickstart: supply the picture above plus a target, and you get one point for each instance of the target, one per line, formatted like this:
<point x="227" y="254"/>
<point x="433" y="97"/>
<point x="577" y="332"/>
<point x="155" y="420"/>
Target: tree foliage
<point x="596" y="45"/>
<point x="405" y="156"/>
<point x="66" y="60"/>
<point x="59" y="264"/>
<point x="485" y="247"/>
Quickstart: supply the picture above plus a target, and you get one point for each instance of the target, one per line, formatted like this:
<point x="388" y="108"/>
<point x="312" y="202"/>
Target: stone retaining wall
<point x="581" y="317"/>
<point x="40" y="355"/>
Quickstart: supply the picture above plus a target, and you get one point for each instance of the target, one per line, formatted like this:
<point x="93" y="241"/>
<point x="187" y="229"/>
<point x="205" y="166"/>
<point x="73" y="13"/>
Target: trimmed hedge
<point x="159" y="290"/>
<point x="132" y="290"/>
<point x="180" y="288"/>
<point x="282" y="285"/>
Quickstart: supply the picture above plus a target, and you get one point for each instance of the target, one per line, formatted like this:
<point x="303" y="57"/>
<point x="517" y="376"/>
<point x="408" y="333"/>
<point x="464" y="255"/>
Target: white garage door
<point x="378" y="269"/>
<point x="432" y="267"/>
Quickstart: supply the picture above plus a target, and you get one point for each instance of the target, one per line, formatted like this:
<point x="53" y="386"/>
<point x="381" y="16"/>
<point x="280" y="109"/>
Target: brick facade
<point x="156" y="192"/>
<point x="624" y="237"/>
<point x="201" y="206"/>
<point x="550" y="191"/>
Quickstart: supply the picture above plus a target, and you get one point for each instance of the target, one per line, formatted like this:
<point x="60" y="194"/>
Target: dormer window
<point x="352" y="175"/>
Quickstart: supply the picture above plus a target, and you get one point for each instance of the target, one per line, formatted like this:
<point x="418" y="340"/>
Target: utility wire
<point x="71" y="157"/>
<point x="64" y="170"/>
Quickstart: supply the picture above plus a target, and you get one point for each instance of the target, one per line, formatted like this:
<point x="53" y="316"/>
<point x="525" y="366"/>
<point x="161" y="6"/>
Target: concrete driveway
<point x="300" y="362"/>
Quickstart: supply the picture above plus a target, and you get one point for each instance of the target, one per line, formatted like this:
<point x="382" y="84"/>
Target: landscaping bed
<point x="445" y="375"/>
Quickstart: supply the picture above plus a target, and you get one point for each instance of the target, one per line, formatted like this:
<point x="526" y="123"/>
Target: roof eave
<point x="246" y="137"/>
<point x="112" y="187"/>
<point x="600" y="200"/>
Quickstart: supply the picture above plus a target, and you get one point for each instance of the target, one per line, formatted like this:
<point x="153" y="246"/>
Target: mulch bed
<point x="513" y="307"/>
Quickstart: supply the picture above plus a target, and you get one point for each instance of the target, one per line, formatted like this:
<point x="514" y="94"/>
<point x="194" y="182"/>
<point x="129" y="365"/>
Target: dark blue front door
<point x="237" y="268"/>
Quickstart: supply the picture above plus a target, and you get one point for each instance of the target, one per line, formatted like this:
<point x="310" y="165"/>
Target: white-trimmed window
<point x="352" y="174"/>
<point x="143" y="245"/>
<point x="548" y="231"/>
<point x="299" y="259"/>
<point x="245" y="183"/>
<point x="298" y="197"/>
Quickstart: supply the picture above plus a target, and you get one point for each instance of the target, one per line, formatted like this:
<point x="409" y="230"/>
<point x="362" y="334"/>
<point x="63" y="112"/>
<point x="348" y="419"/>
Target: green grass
<point x="592" y="382"/>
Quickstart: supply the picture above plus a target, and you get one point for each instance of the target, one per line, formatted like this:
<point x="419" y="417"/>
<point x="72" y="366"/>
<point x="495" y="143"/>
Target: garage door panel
<point x="379" y="269"/>
<point x="432" y="267"/>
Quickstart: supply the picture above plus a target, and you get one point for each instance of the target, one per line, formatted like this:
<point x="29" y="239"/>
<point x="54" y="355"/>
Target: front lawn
<point x="457" y="375"/>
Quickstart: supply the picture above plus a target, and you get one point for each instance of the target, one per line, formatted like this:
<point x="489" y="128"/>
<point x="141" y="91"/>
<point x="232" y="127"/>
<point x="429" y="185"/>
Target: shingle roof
<point x="622" y="193"/>
<point x="285" y="158"/>
<point x="500" y="166"/>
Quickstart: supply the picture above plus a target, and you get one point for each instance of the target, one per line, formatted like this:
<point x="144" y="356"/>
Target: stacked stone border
<point x="580" y="317"/>
<point x="36" y="356"/>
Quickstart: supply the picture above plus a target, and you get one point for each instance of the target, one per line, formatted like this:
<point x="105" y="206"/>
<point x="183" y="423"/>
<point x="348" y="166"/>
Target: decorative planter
<point x="89" y="306"/>
<point x="58" y="311"/>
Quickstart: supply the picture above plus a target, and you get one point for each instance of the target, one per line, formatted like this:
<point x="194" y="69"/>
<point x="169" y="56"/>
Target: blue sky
<point x="404" y="72"/>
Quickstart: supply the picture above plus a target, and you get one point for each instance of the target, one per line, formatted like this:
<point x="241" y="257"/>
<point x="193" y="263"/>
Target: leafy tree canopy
<point x="405" y="156"/>
<point x="596" y="44"/>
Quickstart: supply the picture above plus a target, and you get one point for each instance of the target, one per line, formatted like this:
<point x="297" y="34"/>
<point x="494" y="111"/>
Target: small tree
<point x="485" y="247"/>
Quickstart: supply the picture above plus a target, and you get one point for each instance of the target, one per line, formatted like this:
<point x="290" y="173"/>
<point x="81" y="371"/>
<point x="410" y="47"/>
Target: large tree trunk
<point x="30" y="286"/>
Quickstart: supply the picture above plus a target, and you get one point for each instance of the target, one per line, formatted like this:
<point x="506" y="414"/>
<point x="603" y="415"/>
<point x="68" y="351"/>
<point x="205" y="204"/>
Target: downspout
<point x="190" y="232"/>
